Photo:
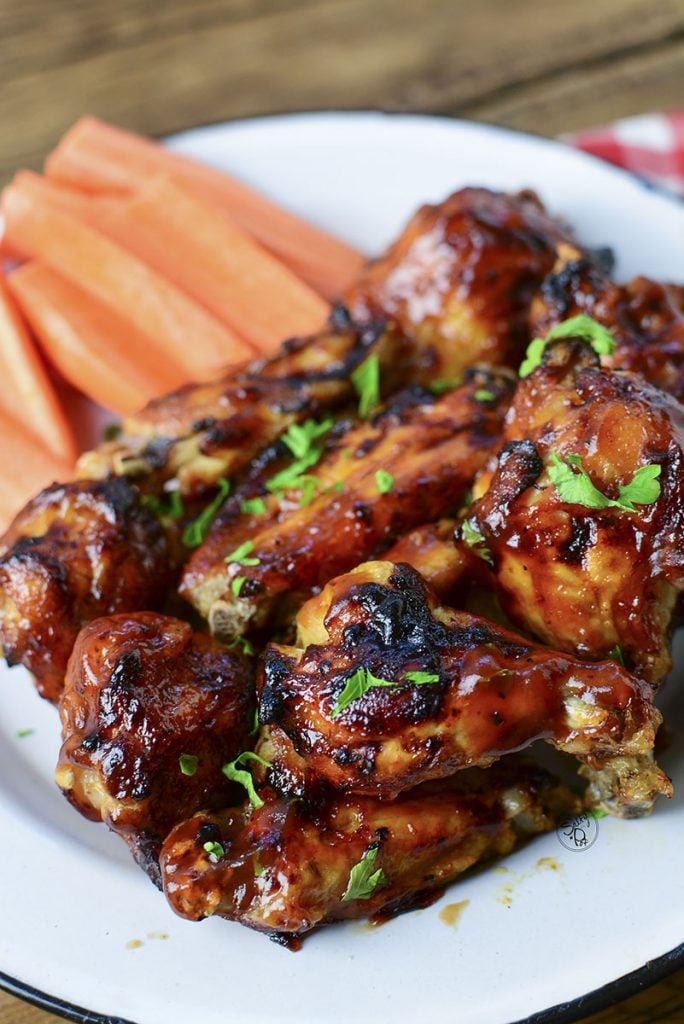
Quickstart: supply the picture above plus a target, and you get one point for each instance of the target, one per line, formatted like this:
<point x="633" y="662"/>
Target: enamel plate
<point x="551" y="932"/>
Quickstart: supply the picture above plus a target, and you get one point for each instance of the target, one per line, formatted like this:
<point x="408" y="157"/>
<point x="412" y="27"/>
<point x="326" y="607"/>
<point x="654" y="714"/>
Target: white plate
<point x="71" y="900"/>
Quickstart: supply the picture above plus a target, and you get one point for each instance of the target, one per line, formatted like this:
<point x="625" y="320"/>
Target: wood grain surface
<point x="159" y="67"/>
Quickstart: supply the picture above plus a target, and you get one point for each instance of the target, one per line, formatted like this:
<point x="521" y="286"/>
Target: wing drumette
<point x="289" y="866"/>
<point x="150" y="713"/>
<point x="460" y="278"/>
<point x="386" y="689"/>
<point x="75" y="552"/>
<point x="584" y="578"/>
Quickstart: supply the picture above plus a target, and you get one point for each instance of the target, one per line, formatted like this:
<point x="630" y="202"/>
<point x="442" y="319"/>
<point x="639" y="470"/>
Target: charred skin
<point x="141" y="690"/>
<point x="584" y="579"/>
<point x="645" y="317"/>
<point x="431" y="448"/>
<point x="495" y="693"/>
<point x="208" y="431"/>
<point x="286" y="866"/>
<point x="75" y="552"/>
<point x="460" y="278"/>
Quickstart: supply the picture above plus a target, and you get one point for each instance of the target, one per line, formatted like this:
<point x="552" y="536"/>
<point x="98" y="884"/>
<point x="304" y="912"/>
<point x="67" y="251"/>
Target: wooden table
<point x="538" y="65"/>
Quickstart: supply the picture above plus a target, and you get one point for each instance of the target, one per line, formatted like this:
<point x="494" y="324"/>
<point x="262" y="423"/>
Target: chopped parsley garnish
<point x="483" y="395"/>
<point x="215" y="850"/>
<point x="255" y="723"/>
<point x="112" y="431"/>
<point x="188" y="764"/>
<point x="363" y="680"/>
<point x="364" y="878"/>
<point x="366" y="381"/>
<point x="241" y="643"/>
<point x="422" y="677"/>
<point x="384" y="481"/>
<point x="242" y="555"/>
<point x="233" y="772"/>
<point x="574" y="485"/>
<point x="308" y="485"/>
<point x="195" y="532"/>
<point x="288" y="479"/>
<point x="169" y="506"/>
<point x="615" y="654"/>
<point x="581" y="326"/>
<point x="237" y="585"/>
<point x="258" y="867"/>
<point x="474" y="539"/>
<point x="23" y="733"/>
<point x="253" y="507"/>
<point x="443" y="384"/>
<point x="300" y="437"/>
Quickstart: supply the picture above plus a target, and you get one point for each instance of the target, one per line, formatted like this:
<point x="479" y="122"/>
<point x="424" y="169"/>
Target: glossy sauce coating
<point x="75" y="552"/>
<point x="141" y="691"/>
<point x="584" y="579"/>
<point x="461" y="276"/>
<point x="286" y="866"/>
<point x="431" y="447"/>
<point x="495" y="692"/>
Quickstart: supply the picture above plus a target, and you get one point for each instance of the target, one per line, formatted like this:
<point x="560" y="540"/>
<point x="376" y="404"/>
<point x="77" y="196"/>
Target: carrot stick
<point x="27" y="393"/>
<point x="25" y="469"/>
<point x="93" y="347"/>
<point x="94" y="209"/>
<point x="99" y="157"/>
<point x="186" y="333"/>
<point x="217" y="264"/>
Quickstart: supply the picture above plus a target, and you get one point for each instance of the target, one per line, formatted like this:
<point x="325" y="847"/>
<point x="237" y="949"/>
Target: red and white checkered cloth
<point x="651" y="145"/>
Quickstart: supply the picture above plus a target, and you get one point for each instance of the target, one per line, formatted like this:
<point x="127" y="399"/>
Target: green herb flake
<point x="112" y="431"/>
<point x="258" y="868"/>
<point x="255" y="723"/>
<point x="575" y="487"/>
<point x="300" y="437"/>
<point x="288" y="479"/>
<point x="366" y="381"/>
<point x="242" y="555"/>
<point x="237" y="585"/>
<point x="598" y="812"/>
<point x="483" y="395"/>
<point x="363" y="680"/>
<point x="421" y="678"/>
<point x="338" y="486"/>
<point x="169" y="506"/>
<point x="188" y="764"/>
<point x="23" y="733"/>
<point x="215" y="851"/>
<point x="581" y="326"/>
<point x="444" y="384"/>
<point x="253" y="507"/>
<point x="235" y="773"/>
<point x="195" y="532"/>
<point x="241" y="643"/>
<point x="615" y="654"/>
<point x="474" y="539"/>
<point x="364" y="878"/>
<point x="384" y="481"/>
<point x="308" y="485"/>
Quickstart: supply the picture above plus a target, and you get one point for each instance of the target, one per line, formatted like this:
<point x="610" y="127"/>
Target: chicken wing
<point x="289" y="866"/>
<point x="461" y="276"/>
<point x="386" y="689"/>
<point x="645" y="317"/>
<point x="75" y="552"/>
<point x="584" y="578"/>
<point x="428" y="450"/>
<point x="150" y="713"/>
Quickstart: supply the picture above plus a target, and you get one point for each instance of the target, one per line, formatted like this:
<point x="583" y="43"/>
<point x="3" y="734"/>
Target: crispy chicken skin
<point x="495" y="693"/>
<point x="207" y="431"/>
<point x="584" y="579"/>
<point x="75" y="552"/>
<point x="142" y="690"/>
<point x="461" y="276"/>
<point x="645" y="317"/>
<point x="286" y="866"/>
<point x="431" y="447"/>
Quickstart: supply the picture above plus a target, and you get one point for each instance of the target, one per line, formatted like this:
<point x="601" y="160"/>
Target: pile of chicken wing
<point x="300" y="622"/>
